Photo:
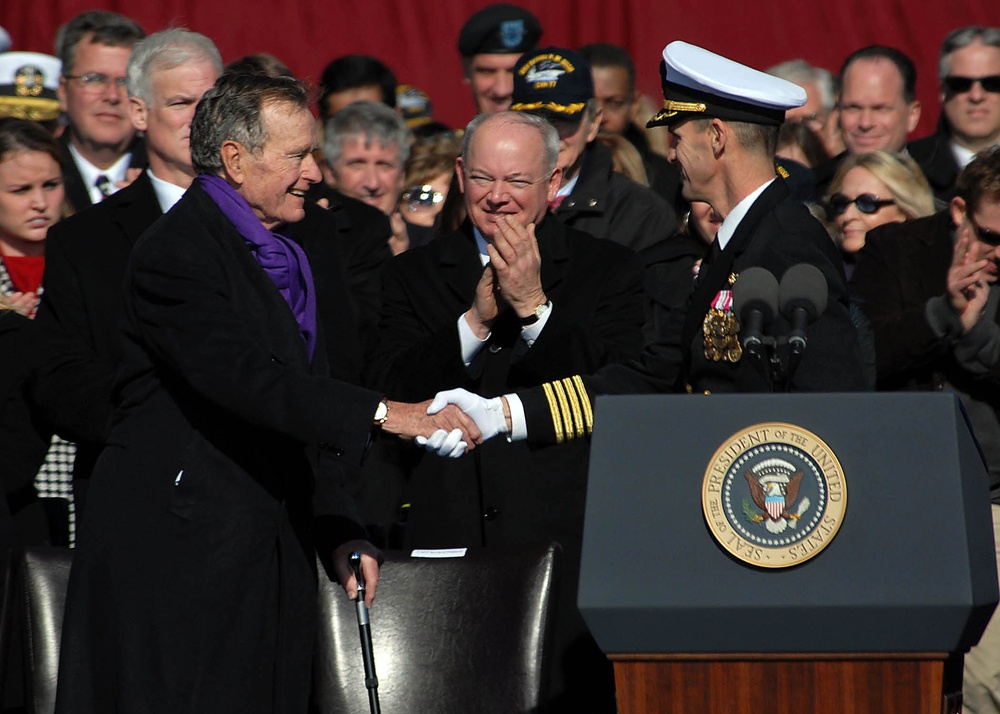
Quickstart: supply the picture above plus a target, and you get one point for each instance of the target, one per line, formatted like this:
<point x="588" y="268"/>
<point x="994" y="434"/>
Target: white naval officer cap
<point x="28" y="83"/>
<point x="701" y="84"/>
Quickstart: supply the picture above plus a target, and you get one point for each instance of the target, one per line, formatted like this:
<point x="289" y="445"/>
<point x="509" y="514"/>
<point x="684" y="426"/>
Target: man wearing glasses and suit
<point x="100" y="142"/>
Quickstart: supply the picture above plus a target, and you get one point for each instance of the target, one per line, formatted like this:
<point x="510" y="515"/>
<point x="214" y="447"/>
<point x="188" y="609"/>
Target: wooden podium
<point x="876" y="621"/>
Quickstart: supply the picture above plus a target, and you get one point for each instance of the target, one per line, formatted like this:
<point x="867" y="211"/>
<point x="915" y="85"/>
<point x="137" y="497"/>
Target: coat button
<point x="495" y="348"/>
<point x="592" y="202"/>
<point x="491" y="513"/>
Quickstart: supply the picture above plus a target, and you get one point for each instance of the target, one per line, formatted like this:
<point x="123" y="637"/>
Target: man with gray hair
<point x="194" y="584"/>
<point x="168" y="73"/>
<point x="821" y="99"/>
<point x="365" y="147"/>
<point x="100" y="140"/>
<point x="969" y="72"/>
<point x="510" y="299"/>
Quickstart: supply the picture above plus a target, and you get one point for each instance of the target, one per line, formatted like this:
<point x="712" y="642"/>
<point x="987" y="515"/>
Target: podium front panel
<point x="911" y="568"/>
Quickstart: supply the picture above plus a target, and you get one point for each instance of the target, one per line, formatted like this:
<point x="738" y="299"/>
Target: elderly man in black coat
<point x="193" y="587"/>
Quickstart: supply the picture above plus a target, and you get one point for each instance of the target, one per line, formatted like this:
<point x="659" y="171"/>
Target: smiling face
<point x="505" y="175"/>
<point x="274" y="179"/>
<point x="98" y="115"/>
<point x="691" y="149"/>
<point x="369" y="171"/>
<point x="974" y="116"/>
<point x="166" y="119"/>
<point x="852" y="224"/>
<point x="491" y="78"/>
<point x="31" y="196"/>
<point x="873" y="112"/>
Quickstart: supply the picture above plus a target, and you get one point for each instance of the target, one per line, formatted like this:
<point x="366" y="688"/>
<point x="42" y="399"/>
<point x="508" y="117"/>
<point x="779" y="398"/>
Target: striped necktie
<point x="104" y="185"/>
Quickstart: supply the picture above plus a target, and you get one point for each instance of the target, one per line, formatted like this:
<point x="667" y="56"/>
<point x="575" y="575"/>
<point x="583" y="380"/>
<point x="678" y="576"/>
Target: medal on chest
<point x="721" y="329"/>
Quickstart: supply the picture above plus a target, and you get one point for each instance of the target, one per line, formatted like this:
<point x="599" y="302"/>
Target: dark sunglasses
<point x="422" y="196"/>
<point x="985" y="235"/>
<point x="866" y="203"/>
<point x="960" y="85"/>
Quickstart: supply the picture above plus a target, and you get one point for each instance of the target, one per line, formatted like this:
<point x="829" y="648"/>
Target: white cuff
<point x="530" y="333"/>
<point x="518" y="424"/>
<point x="468" y="340"/>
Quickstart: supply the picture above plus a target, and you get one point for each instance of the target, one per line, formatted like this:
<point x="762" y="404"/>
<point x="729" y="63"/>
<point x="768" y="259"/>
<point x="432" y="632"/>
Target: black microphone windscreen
<point x="756" y="288"/>
<point x="804" y="286"/>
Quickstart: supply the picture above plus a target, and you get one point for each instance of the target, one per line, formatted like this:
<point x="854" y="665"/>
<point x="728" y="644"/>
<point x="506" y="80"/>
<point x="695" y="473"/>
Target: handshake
<point x="489" y="417"/>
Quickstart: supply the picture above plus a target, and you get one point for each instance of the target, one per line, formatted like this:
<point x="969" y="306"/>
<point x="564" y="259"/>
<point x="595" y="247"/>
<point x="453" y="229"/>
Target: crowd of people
<point x="234" y="336"/>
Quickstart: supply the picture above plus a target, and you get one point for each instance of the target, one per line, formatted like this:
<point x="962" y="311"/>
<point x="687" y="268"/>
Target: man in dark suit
<point x="929" y="288"/>
<point x="549" y="300"/>
<point x="723" y="119"/>
<point x="77" y="327"/>
<point x="877" y="106"/>
<point x="193" y="586"/>
<point x="969" y="65"/>
<point x="102" y="150"/>
<point x="86" y="254"/>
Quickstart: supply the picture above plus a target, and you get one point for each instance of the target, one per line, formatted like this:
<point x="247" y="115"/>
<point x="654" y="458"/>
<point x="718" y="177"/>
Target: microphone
<point x="755" y="302"/>
<point x="802" y="297"/>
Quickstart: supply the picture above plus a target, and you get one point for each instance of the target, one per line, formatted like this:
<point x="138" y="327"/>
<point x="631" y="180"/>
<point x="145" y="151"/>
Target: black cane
<point x="364" y="628"/>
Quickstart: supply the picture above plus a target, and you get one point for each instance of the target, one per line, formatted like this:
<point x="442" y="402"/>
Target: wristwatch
<point x="381" y="412"/>
<point x="536" y="314"/>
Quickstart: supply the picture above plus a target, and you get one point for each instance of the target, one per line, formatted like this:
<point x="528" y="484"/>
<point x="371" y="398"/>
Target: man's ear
<point x="555" y="181"/>
<point x="460" y="174"/>
<point x="61" y="93"/>
<point x="595" y="124"/>
<point x="958" y="209"/>
<point x="234" y="156"/>
<point x="139" y="113"/>
<point x="719" y="136"/>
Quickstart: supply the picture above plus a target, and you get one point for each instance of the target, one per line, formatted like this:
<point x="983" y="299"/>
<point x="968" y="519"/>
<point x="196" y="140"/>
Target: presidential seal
<point x="774" y="495"/>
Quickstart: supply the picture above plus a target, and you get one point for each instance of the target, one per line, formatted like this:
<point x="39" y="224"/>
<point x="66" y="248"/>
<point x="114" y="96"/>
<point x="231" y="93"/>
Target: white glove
<point x="443" y="443"/>
<point x="487" y="413"/>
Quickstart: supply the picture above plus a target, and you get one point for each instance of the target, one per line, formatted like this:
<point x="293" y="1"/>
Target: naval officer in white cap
<point x="723" y="119"/>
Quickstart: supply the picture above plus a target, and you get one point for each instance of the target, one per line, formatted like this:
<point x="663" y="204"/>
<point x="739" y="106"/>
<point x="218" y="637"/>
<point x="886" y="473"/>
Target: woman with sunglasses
<point x="873" y="189"/>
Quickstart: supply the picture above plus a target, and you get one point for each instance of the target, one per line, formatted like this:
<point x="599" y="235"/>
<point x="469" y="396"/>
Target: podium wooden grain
<point x="907" y="683"/>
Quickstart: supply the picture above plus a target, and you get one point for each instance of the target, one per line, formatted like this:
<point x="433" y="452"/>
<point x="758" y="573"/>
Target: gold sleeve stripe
<point x="564" y="409"/>
<point x="556" y="421"/>
<point x="588" y="413"/>
<point x="574" y="405"/>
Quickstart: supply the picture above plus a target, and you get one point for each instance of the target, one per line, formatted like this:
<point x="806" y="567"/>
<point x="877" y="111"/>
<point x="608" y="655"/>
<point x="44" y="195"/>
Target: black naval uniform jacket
<point x="776" y="233"/>
<point x="502" y="493"/>
<point x="606" y="204"/>
<point x="193" y="585"/>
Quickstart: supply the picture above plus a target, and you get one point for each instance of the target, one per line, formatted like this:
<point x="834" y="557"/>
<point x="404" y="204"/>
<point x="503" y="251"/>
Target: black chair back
<point x="468" y="634"/>
<point x="42" y="577"/>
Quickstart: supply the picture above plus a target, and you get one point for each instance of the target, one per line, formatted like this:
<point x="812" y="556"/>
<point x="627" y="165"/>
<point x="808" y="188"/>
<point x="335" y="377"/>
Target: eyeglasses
<point x="97" y="82"/>
<point x="960" y="85"/>
<point x="866" y="203"/>
<point x="985" y="235"/>
<point x="422" y="196"/>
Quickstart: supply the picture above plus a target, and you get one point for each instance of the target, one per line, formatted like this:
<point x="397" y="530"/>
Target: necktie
<point x="103" y="184"/>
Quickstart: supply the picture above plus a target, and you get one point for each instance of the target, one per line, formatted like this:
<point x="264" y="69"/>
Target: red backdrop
<point x="417" y="37"/>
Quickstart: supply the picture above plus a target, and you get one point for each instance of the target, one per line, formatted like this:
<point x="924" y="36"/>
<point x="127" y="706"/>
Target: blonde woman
<point x="873" y="189"/>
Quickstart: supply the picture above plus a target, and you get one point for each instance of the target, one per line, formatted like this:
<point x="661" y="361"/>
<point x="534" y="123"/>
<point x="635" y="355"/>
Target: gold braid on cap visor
<point x="551" y="106"/>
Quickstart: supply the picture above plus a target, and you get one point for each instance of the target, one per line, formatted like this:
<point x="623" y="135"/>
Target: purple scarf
<point x="282" y="259"/>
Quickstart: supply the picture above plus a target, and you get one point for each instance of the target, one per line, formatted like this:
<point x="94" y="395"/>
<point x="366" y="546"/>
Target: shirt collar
<point x="89" y="173"/>
<point x="732" y="221"/>
<point x="167" y="194"/>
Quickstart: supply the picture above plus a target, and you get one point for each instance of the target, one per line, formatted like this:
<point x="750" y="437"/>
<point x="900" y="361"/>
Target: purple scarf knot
<point x="283" y="260"/>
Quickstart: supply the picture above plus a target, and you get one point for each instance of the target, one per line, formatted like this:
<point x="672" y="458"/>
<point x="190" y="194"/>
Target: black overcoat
<point x="193" y="586"/>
